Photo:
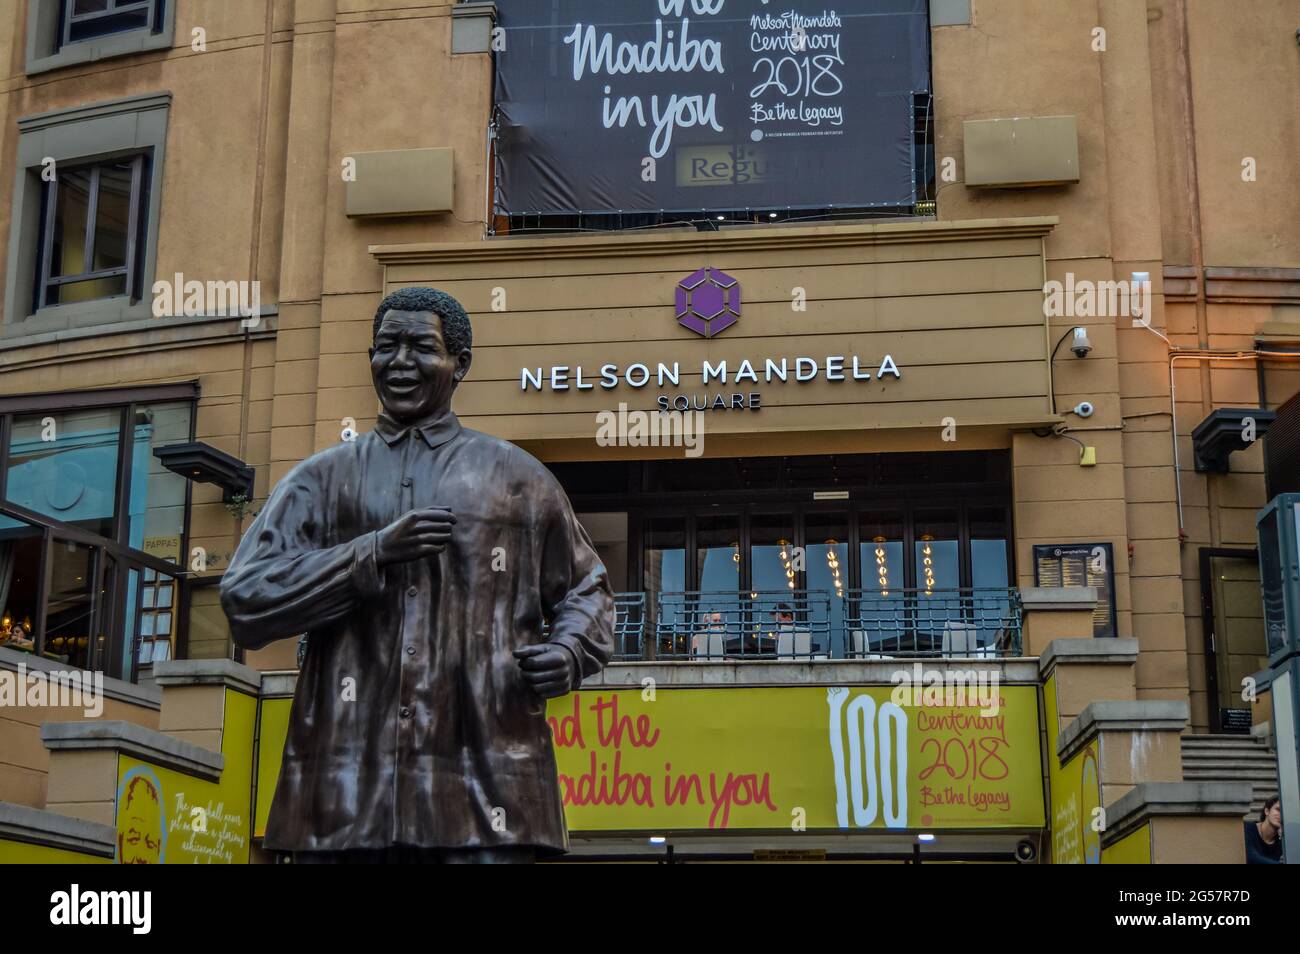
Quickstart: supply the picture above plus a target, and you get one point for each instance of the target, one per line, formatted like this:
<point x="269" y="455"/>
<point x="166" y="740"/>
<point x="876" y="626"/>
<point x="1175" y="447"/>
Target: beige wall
<point x="956" y="306"/>
<point x="24" y="760"/>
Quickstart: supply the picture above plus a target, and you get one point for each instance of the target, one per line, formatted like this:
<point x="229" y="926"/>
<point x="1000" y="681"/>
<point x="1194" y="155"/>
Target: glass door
<point x="712" y="625"/>
<point x="663" y="539"/>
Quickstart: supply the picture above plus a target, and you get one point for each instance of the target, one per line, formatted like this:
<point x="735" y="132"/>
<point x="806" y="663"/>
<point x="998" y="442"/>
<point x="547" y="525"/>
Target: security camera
<point x="1084" y="409"/>
<point x="1026" y="852"/>
<point x="1081" y="345"/>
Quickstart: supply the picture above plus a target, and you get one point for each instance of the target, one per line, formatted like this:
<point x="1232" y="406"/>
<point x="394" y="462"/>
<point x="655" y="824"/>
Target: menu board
<point x="1081" y="564"/>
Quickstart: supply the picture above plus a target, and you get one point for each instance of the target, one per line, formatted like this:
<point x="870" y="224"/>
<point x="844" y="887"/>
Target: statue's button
<point x="412" y="592"/>
<point x="406" y="481"/>
<point x="406" y="713"/>
<point x="410" y="650"/>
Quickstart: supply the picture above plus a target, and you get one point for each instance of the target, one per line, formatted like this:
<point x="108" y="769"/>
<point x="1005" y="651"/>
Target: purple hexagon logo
<point x="708" y="301"/>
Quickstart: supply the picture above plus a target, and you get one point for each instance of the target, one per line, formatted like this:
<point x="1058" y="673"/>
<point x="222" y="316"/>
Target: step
<point x="1230" y="765"/>
<point x="1229" y="762"/>
<point x="1222" y="742"/>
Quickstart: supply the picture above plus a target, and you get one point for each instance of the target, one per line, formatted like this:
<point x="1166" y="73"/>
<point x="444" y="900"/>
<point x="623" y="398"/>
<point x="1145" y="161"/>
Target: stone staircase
<point x="1232" y="758"/>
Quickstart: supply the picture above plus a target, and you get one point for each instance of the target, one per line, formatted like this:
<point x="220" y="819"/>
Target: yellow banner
<point x="1077" y="819"/>
<point x="168" y="817"/>
<point x="796" y="758"/>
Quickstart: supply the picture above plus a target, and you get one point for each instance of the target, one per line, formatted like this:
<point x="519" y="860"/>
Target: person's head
<point x="784" y="614"/>
<point x="421" y="349"/>
<point x="139" y="836"/>
<point x="1272" y="812"/>
<point x="715" y="619"/>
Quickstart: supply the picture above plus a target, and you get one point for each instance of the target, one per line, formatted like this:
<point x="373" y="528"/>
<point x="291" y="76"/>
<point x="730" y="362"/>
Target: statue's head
<point x="420" y="351"/>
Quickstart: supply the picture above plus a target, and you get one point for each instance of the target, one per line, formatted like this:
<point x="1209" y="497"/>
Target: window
<point x="66" y="32"/>
<point x="87" y="19"/>
<point x="155" y="614"/>
<point x="64" y="465"/>
<point x="91" y="232"/>
<point x="92" y="527"/>
<point x="84" y="231"/>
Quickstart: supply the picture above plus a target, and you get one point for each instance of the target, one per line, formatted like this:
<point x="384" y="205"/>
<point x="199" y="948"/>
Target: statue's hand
<point x="550" y="670"/>
<point x="420" y="533"/>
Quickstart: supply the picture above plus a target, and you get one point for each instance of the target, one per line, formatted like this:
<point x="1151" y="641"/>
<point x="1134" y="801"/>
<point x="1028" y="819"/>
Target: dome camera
<point x="1084" y="409"/>
<point x="1081" y="345"/>
<point x="1026" y="852"/>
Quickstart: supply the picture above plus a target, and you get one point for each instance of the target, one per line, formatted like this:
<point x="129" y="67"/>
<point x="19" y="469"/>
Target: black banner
<point x="685" y="105"/>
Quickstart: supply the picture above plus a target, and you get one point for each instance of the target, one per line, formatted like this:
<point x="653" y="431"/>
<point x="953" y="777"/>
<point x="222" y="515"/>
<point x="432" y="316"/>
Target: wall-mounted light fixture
<point x="1227" y="430"/>
<point x="205" y="464"/>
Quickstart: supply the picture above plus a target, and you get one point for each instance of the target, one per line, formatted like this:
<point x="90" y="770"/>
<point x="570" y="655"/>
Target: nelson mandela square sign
<point x="686" y="105"/>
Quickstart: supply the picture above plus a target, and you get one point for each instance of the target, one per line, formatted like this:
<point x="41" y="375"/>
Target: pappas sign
<point x="685" y="105"/>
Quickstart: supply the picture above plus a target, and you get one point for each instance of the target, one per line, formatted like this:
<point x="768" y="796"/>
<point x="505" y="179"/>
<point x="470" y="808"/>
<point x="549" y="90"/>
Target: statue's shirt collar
<point x="435" y="429"/>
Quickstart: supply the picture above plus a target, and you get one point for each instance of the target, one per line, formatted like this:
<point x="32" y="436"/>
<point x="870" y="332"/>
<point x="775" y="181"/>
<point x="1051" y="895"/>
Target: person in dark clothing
<point x="1264" y="837"/>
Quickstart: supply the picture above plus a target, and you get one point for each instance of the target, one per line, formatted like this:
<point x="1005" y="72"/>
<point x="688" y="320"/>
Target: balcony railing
<point x="765" y="624"/>
<point x="816" y="624"/>
<point x="946" y="623"/>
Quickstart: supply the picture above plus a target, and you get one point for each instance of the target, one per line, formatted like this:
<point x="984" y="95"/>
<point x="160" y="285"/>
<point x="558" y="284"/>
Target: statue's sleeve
<point x="575" y="589"/>
<point x="283" y="581"/>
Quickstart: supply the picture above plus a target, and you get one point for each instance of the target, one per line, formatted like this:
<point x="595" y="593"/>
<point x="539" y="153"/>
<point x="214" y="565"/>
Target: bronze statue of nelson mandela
<point x="423" y="560"/>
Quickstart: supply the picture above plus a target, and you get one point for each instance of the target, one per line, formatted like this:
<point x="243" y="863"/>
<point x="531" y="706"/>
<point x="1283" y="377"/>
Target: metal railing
<point x="816" y="624"/>
<point x="963" y="622"/>
<point x="629" y="625"/>
<point x="759" y="624"/>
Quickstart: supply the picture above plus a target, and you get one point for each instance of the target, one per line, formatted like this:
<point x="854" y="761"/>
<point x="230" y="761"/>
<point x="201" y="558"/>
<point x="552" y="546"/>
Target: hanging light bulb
<point x="785" y="558"/>
<point x="833" y="562"/>
<point x="882" y="567"/>
<point x="927" y="563"/>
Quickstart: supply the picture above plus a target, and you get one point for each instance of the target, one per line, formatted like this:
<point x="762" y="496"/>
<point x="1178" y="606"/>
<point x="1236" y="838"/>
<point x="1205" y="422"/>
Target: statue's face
<point x="413" y="373"/>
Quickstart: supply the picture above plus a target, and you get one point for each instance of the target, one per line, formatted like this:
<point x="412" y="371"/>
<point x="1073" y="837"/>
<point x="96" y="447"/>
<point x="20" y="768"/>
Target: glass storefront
<point x="92" y="528"/>
<point x="859" y="555"/>
<point x="65" y="465"/>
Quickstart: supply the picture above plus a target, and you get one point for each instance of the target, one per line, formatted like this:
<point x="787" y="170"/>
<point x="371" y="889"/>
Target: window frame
<point x="50" y="47"/>
<point x="68" y="19"/>
<point x="77" y="137"/>
<point x="49" y="212"/>
<point x="124" y="558"/>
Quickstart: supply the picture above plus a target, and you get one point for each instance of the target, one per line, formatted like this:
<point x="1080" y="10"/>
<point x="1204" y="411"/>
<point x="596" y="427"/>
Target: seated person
<point x="715" y="624"/>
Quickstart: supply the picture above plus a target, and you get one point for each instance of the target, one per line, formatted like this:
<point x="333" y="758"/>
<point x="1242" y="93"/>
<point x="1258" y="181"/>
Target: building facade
<point x="904" y="432"/>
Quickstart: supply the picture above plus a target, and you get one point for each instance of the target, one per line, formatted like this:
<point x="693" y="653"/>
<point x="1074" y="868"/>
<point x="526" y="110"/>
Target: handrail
<point x="856" y="623"/>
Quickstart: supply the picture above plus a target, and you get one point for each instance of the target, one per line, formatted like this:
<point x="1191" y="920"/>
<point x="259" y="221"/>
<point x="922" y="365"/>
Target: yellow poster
<point x="168" y="817"/>
<point x="1076" y="796"/>
<point x="797" y="757"/>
